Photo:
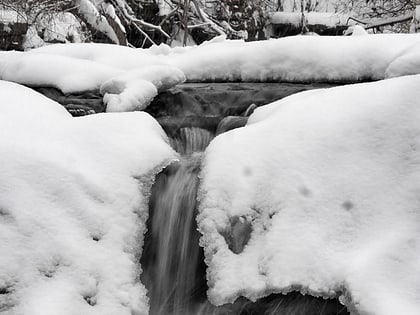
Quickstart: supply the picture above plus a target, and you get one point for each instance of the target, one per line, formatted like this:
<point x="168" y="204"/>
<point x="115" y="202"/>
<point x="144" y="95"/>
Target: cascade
<point x="173" y="263"/>
<point x="174" y="271"/>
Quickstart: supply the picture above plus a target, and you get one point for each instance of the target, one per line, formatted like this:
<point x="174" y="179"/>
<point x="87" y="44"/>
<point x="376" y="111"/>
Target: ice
<point x="73" y="206"/>
<point x="327" y="181"/>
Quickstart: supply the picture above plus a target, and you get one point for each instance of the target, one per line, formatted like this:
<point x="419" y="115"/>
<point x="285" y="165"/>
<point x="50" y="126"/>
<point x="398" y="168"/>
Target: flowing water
<point x="174" y="270"/>
<point x="173" y="262"/>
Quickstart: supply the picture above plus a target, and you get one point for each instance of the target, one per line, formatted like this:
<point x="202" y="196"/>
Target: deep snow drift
<point x="327" y="182"/>
<point x="130" y="78"/>
<point x="72" y="206"/>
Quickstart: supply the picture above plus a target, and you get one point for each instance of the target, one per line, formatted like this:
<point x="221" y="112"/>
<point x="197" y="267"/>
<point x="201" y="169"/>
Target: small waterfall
<point x="174" y="270"/>
<point x="173" y="262"/>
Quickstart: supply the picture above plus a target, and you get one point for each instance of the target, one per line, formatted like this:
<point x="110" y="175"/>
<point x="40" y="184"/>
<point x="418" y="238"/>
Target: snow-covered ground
<point x="72" y="206"/>
<point x="81" y="67"/>
<point x="328" y="183"/>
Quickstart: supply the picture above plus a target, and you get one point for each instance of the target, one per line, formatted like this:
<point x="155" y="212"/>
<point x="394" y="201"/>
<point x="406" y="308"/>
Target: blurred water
<point x="174" y="272"/>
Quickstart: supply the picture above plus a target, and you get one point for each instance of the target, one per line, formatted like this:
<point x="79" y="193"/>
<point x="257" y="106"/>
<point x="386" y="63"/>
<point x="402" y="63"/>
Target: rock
<point x="81" y="104"/>
<point x="231" y="122"/>
<point x="172" y="124"/>
<point x="238" y="234"/>
<point x="221" y="99"/>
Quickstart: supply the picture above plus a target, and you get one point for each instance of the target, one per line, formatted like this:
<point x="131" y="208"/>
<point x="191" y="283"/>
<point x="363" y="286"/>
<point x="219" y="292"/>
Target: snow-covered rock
<point x="123" y="90"/>
<point x="319" y="193"/>
<point x="72" y="206"/>
<point x="81" y="67"/>
<point x="295" y="59"/>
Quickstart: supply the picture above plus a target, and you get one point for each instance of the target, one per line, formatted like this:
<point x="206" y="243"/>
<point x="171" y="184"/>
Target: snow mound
<point x="72" y="206"/>
<point x="139" y="74"/>
<point x="406" y="64"/>
<point x="135" y="90"/>
<point x="293" y="59"/>
<point x="131" y="89"/>
<point x="62" y="72"/>
<point x="320" y="193"/>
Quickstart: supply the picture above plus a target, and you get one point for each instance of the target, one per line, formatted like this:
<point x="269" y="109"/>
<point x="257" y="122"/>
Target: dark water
<point x="173" y="262"/>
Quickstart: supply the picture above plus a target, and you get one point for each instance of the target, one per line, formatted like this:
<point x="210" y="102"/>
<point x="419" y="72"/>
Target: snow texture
<point x="127" y="91"/>
<point x="85" y="67"/>
<point x="88" y="10"/>
<point x="356" y="30"/>
<point x="295" y="59"/>
<point x="328" y="183"/>
<point x="72" y="206"/>
<point x="123" y="90"/>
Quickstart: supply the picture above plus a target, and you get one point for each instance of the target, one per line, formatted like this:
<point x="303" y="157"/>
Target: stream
<point x="174" y="271"/>
<point x="173" y="265"/>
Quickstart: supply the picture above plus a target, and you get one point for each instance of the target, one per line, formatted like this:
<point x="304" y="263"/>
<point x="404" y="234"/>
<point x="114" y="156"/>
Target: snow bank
<point x="72" y="206"/>
<point x="294" y="59"/>
<point x="327" y="184"/>
<point x="81" y="67"/>
<point x="72" y="75"/>
<point x="65" y="73"/>
<point x="137" y="88"/>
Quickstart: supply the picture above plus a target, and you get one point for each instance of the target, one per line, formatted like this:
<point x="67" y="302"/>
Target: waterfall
<point x="173" y="262"/>
<point x="174" y="270"/>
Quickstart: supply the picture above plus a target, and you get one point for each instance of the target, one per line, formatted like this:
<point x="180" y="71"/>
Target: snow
<point x="63" y="27"/>
<point x="406" y="64"/>
<point x="73" y="206"/>
<point x="294" y="59"/>
<point x="356" y="30"/>
<point x="135" y="90"/>
<point x="131" y="90"/>
<point x="65" y="73"/>
<point x="164" y="7"/>
<point x="330" y="19"/>
<point x="88" y="10"/>
<point x="109" y="10"/>
<point x="11" y="16"/>
<point x="328" y="180"/>
<point x="85" y="67"/>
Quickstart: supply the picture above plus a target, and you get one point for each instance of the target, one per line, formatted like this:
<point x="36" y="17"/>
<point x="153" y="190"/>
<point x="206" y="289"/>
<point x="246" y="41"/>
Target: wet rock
<point x="221" y="99"/>
<point x="171" y="125"/>
<point x="231" y="122"/>
<point x="80" y="104"/>
<point x="250" y="110"/>
<point x="238" y="234"/>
